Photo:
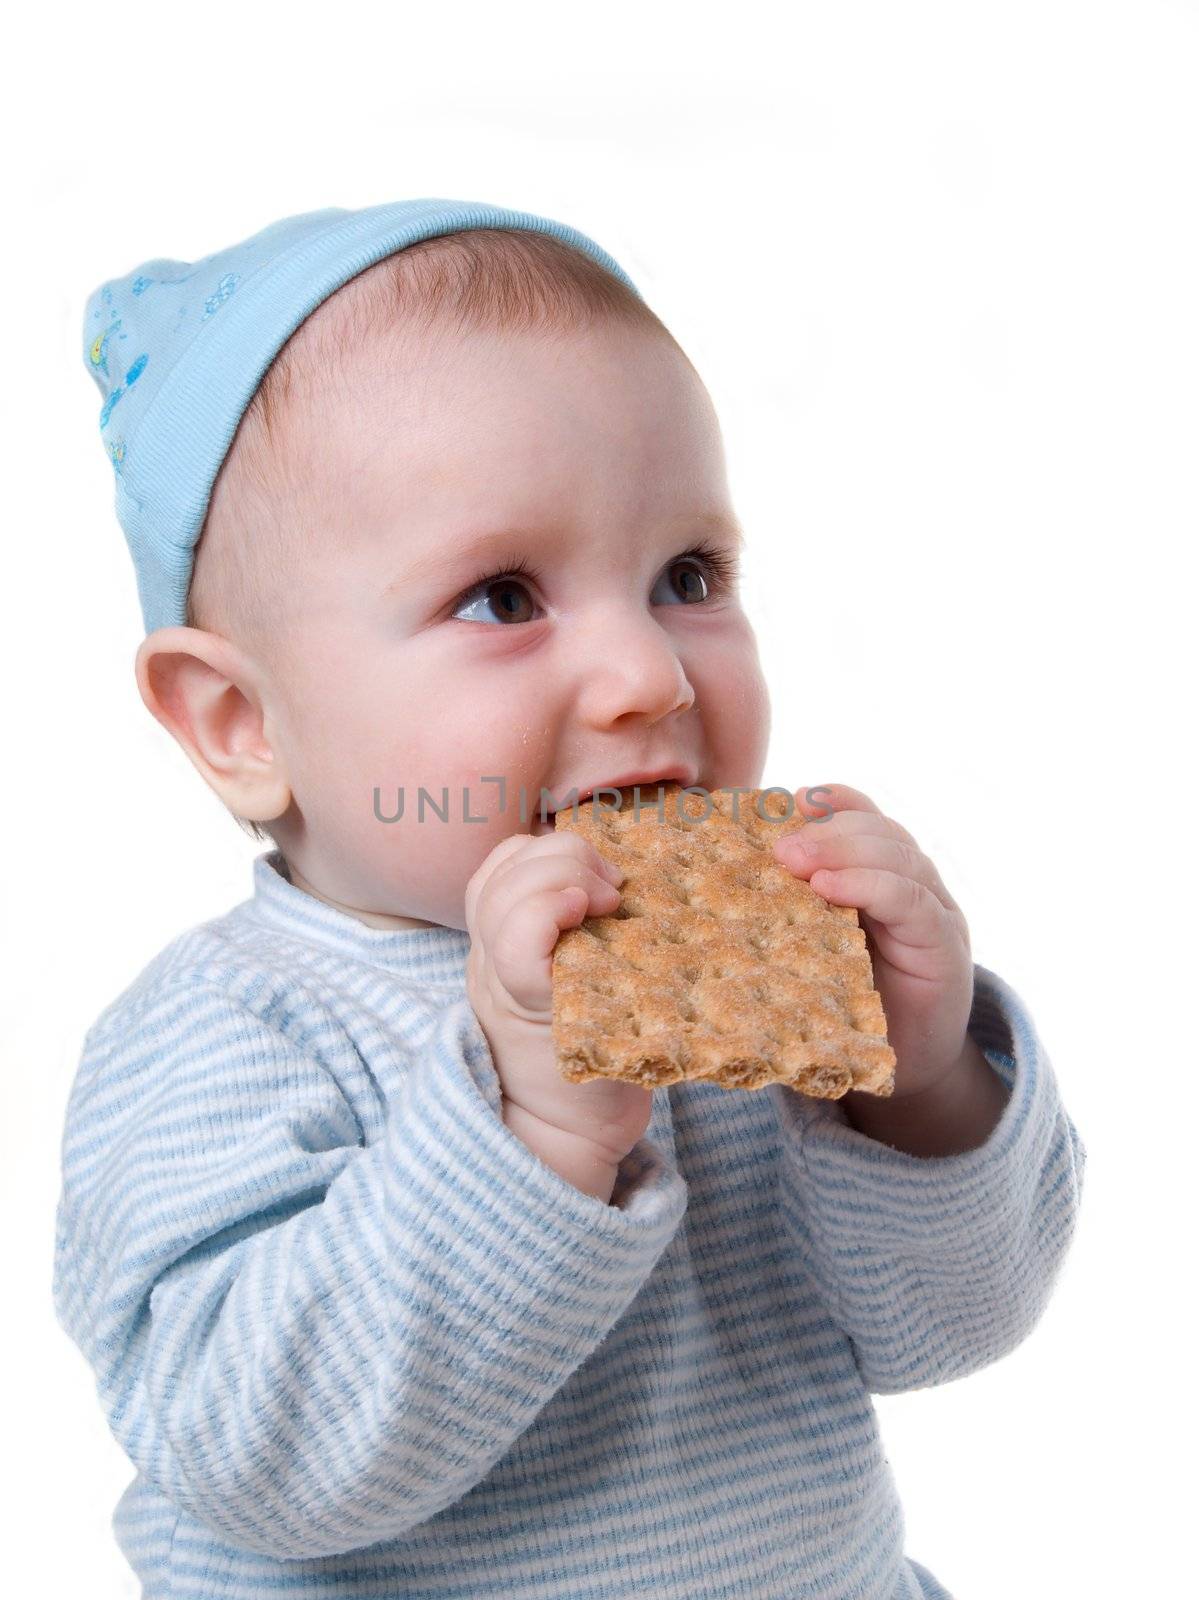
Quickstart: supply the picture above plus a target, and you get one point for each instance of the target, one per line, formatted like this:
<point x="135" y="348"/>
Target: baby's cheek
<point x="734" y="701"/>
<point x="459" y="821"/>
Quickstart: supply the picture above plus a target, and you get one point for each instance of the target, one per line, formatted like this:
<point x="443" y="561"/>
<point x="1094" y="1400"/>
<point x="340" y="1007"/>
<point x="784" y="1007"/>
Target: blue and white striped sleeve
<point x="937" y="1266"/>
<point x="309" y="1343"/>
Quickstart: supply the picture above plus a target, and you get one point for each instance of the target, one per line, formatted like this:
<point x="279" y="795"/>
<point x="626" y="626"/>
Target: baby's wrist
<point x="574" y="1158"/>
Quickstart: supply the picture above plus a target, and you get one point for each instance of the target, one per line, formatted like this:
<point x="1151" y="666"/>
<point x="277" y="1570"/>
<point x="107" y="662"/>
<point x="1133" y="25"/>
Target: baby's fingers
<point x="906" y="910"/>
<point x="520" y="948"/>
<point x="555" y="866"/>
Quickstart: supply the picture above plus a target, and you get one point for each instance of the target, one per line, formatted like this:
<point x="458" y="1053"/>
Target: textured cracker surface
<point x="718" y="964"/>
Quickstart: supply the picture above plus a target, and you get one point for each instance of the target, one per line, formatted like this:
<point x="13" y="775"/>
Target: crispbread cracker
<point x="718" y="964"/>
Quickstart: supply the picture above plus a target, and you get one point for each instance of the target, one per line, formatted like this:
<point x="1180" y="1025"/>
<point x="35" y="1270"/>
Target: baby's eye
<point x="685" y="583"/>
<point x="690" y="579"/>
<point x="692" y="586"/>
<point x="504" y="592"/>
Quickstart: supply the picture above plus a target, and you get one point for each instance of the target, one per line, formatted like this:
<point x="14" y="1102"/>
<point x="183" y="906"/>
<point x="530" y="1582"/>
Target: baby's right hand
<point x="518" y="901"/>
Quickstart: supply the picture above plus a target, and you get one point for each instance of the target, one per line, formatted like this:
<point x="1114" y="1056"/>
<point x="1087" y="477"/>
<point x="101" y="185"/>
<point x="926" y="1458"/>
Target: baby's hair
<point x="502" y="280"/>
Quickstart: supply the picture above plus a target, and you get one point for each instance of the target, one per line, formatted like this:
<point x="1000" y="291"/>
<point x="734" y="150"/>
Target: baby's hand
<point x="518" y="901"/>
<point x="915" y="931"/>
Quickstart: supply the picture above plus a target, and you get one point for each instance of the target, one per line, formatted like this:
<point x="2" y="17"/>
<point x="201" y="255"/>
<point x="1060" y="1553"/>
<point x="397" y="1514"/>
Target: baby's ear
<point x="208" y="695"/>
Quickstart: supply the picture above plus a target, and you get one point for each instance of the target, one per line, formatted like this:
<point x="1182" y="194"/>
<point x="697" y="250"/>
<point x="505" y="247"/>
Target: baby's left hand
<point x="916" y="933"/>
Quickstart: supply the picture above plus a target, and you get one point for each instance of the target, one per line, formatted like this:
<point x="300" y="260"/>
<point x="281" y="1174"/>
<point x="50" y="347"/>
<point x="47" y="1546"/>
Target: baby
<point x="433" y="536"/>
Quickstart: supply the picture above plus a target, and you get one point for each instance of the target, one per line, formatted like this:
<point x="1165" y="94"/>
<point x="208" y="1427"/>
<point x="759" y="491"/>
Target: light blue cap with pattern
<point x="177" y="349"/>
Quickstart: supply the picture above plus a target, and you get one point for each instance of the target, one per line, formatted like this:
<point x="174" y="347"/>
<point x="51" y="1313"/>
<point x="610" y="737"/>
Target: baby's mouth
<point x="544" y="822"/>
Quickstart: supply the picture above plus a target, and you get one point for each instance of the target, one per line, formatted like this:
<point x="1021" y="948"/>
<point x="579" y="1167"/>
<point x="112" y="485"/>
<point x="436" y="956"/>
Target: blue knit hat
<point x="178" y="348"/>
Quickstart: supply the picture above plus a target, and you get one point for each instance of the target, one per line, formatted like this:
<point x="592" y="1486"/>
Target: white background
<point x="938" y="265"/>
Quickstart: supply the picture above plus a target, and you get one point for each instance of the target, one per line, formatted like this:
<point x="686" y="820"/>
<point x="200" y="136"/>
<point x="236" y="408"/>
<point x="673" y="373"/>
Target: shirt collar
<point x="432" y="955"/>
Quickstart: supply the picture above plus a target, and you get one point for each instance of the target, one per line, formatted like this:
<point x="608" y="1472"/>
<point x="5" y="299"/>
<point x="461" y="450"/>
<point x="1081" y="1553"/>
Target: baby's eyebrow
<point x="499" y="543"/>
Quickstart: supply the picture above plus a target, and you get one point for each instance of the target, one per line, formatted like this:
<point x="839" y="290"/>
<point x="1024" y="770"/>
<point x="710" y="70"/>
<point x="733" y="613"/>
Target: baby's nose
<point x="635" y="676"/>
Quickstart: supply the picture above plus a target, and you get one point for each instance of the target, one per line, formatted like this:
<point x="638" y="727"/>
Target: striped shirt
<point x="358" y="1340"/>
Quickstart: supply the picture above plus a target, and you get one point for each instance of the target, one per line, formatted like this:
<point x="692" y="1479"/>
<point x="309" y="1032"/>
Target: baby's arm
<point x="938" y="1266"/>
<point x="308" y="1343"/>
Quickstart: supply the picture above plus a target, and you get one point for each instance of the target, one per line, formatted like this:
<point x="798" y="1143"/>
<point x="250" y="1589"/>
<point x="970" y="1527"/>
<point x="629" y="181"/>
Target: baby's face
<point x="594" y="459"/>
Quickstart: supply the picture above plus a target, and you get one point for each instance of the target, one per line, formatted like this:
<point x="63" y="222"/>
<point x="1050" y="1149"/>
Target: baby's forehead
<point x="337" y="385"/>
<point x="368" y="423"/>
<point x="422" y="387"/>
